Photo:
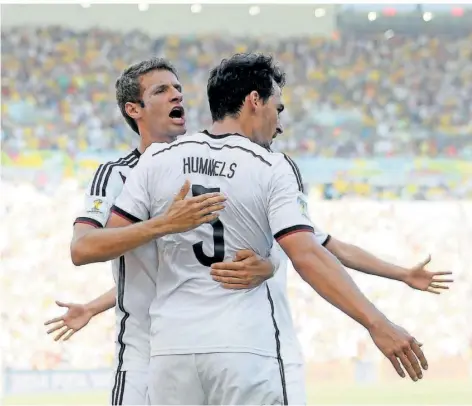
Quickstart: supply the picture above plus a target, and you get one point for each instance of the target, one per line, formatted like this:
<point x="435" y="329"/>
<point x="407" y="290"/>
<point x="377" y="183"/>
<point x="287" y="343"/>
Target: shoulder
<point x="111" y="174"/>
<point x="284" y="166"/>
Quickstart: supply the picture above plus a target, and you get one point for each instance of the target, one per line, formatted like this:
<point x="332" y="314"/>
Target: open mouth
<point x="177" y="114"/>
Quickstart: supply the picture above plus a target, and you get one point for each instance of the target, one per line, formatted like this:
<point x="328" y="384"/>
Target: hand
<point x="400" y="348"/>
<point x="75" y="319"/>
<point x="419" y="278"/>
<point x="187" y="214"/>
<point x="247" y="271"/>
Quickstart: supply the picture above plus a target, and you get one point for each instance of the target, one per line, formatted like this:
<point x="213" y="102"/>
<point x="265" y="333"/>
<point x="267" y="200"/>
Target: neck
<point x="229" y="126"/>
<point x="147" y="139"/>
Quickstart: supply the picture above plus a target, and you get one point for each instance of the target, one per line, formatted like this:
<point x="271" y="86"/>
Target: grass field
<point x="404" y="393"/>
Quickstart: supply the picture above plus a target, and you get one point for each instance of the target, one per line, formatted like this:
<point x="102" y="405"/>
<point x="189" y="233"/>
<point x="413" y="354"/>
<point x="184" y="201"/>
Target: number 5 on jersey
<point x="218" y="234"/>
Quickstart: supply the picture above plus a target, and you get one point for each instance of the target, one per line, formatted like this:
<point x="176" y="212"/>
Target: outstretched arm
<point x="416" y="277"/>
<point x="79" y="315"/>
<point x="326" y="275"/>
<point x="293" y="230"/>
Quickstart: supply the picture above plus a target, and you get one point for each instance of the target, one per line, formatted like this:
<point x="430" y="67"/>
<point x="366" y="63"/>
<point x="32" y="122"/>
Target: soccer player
<point x="214" y="346"/>
<point x="150" y="98"/>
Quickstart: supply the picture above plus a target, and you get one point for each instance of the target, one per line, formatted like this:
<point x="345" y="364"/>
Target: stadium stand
<point x="374" y="122"/>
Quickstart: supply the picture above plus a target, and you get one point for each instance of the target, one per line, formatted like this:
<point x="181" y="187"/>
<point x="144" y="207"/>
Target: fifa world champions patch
<point x="303" y="205"/>
<point x="96" y="206"/>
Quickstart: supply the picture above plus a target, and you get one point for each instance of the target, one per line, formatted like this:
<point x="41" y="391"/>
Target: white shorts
<point x="129" y="388"/>
<point x="215" y="379"/>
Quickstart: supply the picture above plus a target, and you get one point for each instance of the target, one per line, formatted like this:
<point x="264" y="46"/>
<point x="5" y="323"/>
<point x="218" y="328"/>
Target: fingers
<point x="55" y="320"/>
<point x="437" y="286"/>
<point x="234" y="286"/>
<point x="407" y="365"/>
<point x="211" y="209"/>
<point x="244" y="254"/>
<point x="422" y="264"/>
<point x="55" y="328"/>
<point x="209" y="198"/>
<point x="396" y="365"/>
<point x="418" y="374"/>
<point x="416" y="348"/>
<point x="430" y="290"/>
<point x="62" y="304"/>
<point x="69" y="334"/>
<point x="61" y="334"/>
<point x="206" y="219"/>
<point x="442" y="273"/>
<point x="183" y="191"/>
<point x="231" y="281"/>
<point x="225" y="268"/>
<point x="438" y="280"/>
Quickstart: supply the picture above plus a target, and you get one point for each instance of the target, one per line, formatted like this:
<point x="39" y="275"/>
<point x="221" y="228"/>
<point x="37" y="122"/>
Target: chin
<point x="179" y="131"/>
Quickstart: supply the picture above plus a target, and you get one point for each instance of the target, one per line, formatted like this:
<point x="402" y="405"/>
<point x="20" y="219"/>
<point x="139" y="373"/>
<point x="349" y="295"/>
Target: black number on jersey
<point x="218" y="234"/>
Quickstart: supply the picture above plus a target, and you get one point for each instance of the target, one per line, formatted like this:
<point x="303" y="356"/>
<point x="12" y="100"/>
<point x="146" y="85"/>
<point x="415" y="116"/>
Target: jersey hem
<point x="209" y="350"/>
<point x="125" y="367"/>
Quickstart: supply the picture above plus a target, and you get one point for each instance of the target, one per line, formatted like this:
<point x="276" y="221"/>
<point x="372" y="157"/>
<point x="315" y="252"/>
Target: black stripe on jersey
<point x="115" y="388"/>
<point x="121" y="306"/>
<point x="124" y="214"/>
<point x="89" y="221"/>
<point x="100" y="180"/>
<point x="122" y="388"/>
<point x="292" y="230"/>
<point x="215" y="148"/>
<point x="131" y="163"/>
<point x="119" y="388"/>
<point x="277" y="344"/>
<point x="296" y="172"/>
<point x="97" y="179"/>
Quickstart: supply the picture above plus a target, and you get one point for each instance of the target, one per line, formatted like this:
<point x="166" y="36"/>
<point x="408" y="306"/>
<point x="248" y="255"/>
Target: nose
<point x="177" y="96"/>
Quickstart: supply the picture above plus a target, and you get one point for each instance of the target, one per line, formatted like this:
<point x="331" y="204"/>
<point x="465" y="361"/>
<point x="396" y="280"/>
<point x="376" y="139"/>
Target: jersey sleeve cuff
<point x="328" y="237"/>
<point x="292" y="230"/>
<point x="89" y="221"/>
<point x="124" y="214"/>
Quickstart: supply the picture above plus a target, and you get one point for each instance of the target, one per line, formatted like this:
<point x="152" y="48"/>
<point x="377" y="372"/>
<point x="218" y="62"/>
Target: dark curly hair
<point x="234" y="78"/>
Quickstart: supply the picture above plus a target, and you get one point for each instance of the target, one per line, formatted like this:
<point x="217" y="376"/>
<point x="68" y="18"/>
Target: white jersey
<point x="192" y="313"/>
<point x="290" y="346"/>
<point x="134" y="272"/>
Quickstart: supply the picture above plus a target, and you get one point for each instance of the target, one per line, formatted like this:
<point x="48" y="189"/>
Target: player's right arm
<point x="294" y="232"/>
<point x="91" y="242"/>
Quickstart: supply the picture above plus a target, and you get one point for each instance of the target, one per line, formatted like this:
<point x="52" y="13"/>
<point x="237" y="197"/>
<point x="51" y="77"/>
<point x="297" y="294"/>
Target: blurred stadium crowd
<point x="347" y="97"/>
<point x="36" y="270"/>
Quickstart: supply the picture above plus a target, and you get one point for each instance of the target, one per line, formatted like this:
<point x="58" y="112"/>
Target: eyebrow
<point x="164" y="86"/>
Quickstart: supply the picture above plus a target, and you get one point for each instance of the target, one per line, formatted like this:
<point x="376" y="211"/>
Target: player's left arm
<point x="417" y="277"/>
<point x="247" y="270"/>
<point x="79" y="315"/>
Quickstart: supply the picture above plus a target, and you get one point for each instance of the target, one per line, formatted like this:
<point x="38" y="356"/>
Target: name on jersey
<point x="209" y="167"/>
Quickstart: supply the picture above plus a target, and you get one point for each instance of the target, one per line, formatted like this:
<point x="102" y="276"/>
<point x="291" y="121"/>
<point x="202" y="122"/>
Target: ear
<point x="133" y="110"/>
<point x="254" y="99"/>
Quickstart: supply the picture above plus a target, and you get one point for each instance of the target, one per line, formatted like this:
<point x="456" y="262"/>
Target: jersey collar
<point x="221" y="135"/>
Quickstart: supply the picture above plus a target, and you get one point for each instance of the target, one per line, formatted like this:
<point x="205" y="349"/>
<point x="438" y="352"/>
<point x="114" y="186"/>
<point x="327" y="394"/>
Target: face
<point x="162" y="117"/>
<point x="267" y="124"/>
